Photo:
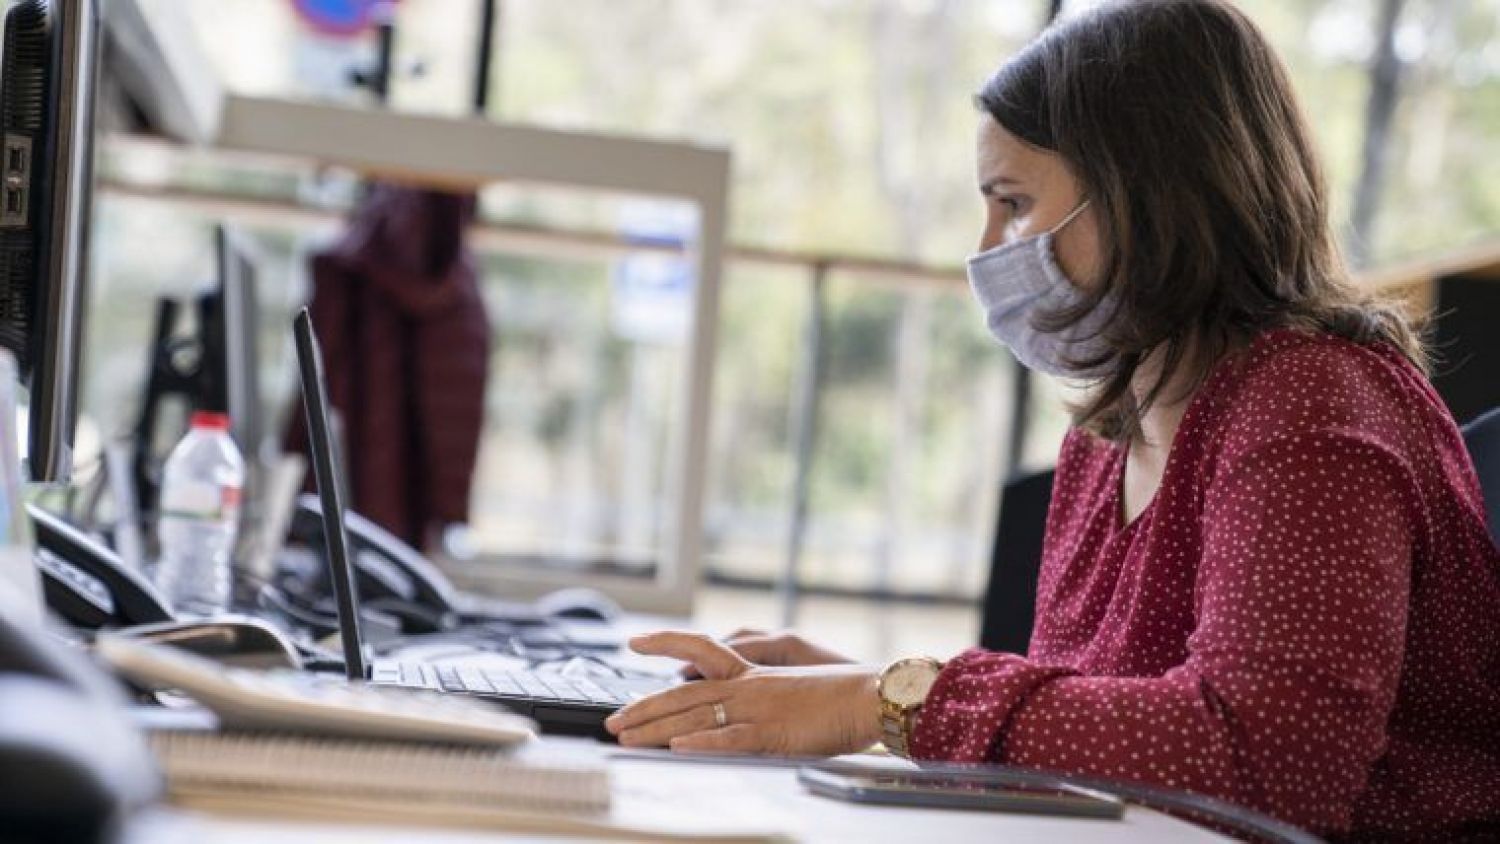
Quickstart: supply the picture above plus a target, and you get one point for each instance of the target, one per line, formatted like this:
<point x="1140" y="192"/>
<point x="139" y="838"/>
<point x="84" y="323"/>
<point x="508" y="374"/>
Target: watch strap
<point x="896" y="726"/>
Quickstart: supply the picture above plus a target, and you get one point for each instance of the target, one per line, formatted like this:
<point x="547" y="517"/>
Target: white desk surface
<point x="765" y="797"/>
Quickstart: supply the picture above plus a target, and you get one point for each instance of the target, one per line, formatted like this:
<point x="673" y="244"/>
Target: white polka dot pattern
<point x="1303" y="620"/>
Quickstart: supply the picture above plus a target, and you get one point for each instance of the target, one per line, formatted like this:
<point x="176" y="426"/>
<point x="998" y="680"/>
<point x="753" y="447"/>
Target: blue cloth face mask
<point x="1015" y="281"/>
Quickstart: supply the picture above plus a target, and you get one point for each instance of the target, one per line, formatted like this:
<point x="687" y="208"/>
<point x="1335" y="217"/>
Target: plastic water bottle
<point x="199" y="517"/>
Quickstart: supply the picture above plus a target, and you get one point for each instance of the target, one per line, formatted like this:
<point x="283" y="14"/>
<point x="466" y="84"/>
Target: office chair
<point x="1482" y="438"/>
<point x="1015" y="559"/>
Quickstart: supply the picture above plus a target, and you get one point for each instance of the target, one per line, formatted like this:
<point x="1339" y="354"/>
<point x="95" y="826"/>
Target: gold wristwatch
<point x="902" y="688"/>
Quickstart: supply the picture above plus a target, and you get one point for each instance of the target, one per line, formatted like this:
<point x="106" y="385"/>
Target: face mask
<point x="1014" y="282"/>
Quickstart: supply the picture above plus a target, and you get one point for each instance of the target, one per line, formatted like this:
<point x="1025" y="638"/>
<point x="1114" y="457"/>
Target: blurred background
<point x="862" y="420"/>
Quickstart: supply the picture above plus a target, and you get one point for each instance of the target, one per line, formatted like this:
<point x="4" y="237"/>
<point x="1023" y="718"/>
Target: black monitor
<point x="230" y="336"/>
<point x="214" y="367"/>
<point x="46" y="176"/>
<point x="229" y="332"/>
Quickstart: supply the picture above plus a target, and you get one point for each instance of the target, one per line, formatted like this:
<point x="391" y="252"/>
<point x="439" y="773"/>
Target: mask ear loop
<point x="1104" y="302"/>
<point x="1072" y="215"/>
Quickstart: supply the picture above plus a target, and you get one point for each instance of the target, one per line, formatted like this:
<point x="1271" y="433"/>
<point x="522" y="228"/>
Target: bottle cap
<point x="209" y="420"/>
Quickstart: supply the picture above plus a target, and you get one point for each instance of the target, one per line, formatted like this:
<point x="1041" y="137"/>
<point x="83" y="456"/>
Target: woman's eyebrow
<point x="988" y="187"/>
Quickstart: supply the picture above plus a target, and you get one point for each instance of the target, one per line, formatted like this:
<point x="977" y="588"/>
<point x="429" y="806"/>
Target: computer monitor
<point x="216" y="367"/>
<point x="46" y="180"/>
<point x="229" y="332"/>
<point x="230" y="336"/>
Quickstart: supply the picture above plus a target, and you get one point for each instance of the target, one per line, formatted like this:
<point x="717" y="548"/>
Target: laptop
<point x="559" y="703"/>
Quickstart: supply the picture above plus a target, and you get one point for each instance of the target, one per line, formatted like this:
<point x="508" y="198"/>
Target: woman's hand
<point x="783" y="648"/>
<point x="780" y="711"/>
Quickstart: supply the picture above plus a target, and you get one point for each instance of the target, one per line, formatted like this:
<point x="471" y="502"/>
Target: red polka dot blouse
<point x="1304" y="620"/>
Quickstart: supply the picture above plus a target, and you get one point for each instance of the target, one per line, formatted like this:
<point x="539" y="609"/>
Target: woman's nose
<point x="993" y="234"/>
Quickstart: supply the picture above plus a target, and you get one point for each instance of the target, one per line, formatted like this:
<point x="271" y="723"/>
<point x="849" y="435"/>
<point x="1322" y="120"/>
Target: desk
<point x="762" y="795"/>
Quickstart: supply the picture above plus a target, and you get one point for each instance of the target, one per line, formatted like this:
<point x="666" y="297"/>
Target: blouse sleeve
<point x="1292" y="668"/>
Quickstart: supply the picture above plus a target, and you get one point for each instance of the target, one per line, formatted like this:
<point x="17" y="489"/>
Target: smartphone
<point x="935" y="789"/>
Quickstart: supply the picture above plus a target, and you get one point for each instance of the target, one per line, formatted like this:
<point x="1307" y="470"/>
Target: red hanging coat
<point x="397" y="307"/>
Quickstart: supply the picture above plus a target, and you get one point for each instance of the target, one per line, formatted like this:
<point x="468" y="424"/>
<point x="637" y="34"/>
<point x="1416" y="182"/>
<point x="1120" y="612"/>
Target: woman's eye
<point x="1011" y="204"/>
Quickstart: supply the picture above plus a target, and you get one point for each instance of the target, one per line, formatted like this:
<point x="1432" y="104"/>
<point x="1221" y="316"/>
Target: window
<point x="852" y="130"/>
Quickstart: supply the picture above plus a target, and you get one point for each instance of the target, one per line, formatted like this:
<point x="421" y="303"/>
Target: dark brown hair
<point x="1181" y="125"/>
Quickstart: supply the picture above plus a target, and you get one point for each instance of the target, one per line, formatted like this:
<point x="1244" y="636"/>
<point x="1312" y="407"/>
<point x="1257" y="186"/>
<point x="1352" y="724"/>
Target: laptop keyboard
<point x="612" y="692"/>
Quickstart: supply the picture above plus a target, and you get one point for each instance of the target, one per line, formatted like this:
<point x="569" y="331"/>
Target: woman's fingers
<point x="713" y="659"/>
<point x="662" y="704"/>
<point x="735" y="738"/>
<point x="762" y="650"/>
<point x="757" y="646"/>
<point x="659" y="732"/>
<point x="784" y="711"/>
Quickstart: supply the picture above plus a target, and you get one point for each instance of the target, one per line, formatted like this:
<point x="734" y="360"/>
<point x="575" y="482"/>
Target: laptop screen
<point x="330" y="483"/>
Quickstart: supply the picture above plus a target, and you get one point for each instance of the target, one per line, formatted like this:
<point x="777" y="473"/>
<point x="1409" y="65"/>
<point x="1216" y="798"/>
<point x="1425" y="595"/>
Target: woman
<point x="1267" y="574"/>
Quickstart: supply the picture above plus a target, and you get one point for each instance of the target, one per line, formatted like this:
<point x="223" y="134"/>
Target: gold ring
<point x="720" y="717"/>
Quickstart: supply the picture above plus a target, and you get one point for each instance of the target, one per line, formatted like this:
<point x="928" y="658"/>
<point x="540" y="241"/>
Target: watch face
<point x="908" y="681"/>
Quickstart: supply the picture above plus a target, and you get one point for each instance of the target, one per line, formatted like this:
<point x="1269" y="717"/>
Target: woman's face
<point x="1027" y="191"/>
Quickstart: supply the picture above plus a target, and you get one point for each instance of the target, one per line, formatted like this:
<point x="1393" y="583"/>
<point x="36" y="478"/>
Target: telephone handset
<point x="87" y="583"/>
<point x="387" y="567"/>
<point x="389" y="573"/>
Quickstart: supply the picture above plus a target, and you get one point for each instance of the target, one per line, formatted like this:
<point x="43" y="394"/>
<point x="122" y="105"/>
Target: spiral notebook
<point x="271" y="764"/>
<point x="541" y="788"/>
